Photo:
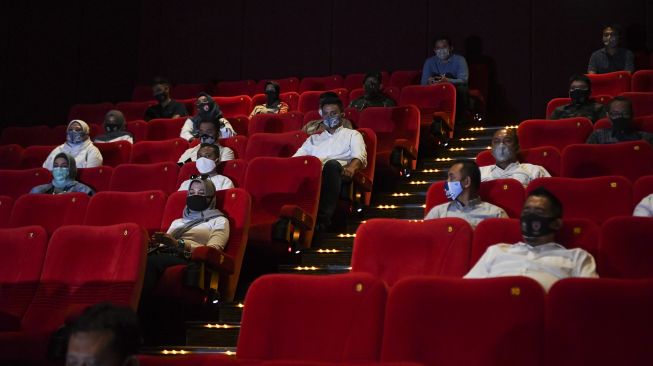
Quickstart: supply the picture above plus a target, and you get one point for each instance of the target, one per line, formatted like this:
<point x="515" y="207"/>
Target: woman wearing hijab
<point x="115" y="128"/>
<point x="273" y="104"/>
<point x="207" y="110"/>
<point x="78" y="145"/>
<point x="64" y="172"/>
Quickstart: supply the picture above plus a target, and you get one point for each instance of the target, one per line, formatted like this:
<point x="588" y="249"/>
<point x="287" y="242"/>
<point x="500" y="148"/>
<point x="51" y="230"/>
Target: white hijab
<point x="75" y="149"/>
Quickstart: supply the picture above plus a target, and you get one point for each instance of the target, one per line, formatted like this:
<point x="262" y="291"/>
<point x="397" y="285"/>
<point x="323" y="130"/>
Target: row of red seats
<point x="354" y="319"/>
<point x="642" y="102"/>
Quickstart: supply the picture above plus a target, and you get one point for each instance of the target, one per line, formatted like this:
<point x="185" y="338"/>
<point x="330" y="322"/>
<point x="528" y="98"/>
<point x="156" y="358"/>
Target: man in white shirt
<point x="208" y="135"/>
<point x="208" y="157"/>
<point x="461" y="189"/>
<point x="538" y="257"/>
<point x="645" y="207"/>
<point x="342" y="153"/>
<point x="505" y="148"/>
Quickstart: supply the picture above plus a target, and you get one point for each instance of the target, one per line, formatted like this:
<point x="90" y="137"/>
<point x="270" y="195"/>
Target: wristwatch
<point x="181" y="244"/>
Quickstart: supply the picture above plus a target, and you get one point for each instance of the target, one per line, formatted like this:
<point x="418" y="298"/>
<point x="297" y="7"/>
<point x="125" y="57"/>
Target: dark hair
<point x="621" y="99"/>
<point x="216" y="148"/>
<point x="160" y="81"/>
<point x="615" y="28"/>
<point x="122" y="322"/>
<point x="442" y="37"/>
<point x="276" y="86"/>
<point x="470" y="169"/>
<point x="556" y="205"/>
<point x="330" y="98"/>
<point x="376" y="75"/>
<point x="581" y="77"/>
<point x="215" y="123"/>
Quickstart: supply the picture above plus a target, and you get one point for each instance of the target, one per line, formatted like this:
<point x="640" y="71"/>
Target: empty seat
<point x="234" y="88"/>
<point x="290" y="84"/>
<point x="281" y="145"/>
<point x="10" y="156"/>
<point x="233" y="169"/>
<point x="559" y="102"/>
<point x="26" y="136"/>
<point x="145" y="177"/>
<point x="596" y="199"/>
<point x="142" y="93"/>
<point x="34" y="156"/>
<point x="401" y="78"/>
<point x="143" y="208"/>
<point x="393" y="249"/>
<point x="642" y="102"/>
<point x="310" y="100"/>
<point x="625" y="248"/>
<point x="433" y="101"/>
<point x="186" y="91"/>
<point x="115" y="153"/>
<point x="148" y="152"/>
<point x="6" y="204"/>
<point x="134" y="111"/>
<point x="275" y="123"/>
<point x="98" y="178"/>
<point x="350" y="306"/>
<point x="138" y="129"/>
<point x="599" y="322"/>
<point x="240" y="124"/>
<point x="547" y="157"/>
<point x="240" y="105"/>
<point x="290" y="98"/>
<point x="321" y="83"/>
<point x="89" y="113"/>
<point x="642" y="81"/>
<point x="444" y="321"/>
<point x="164" y="128"/>
<point x="355" y="81"/>
<point x="629" y="159"/>
<point x="49" y="211"/>
<point x="14" y="183"/>
<point x="611" y="83"/>
<point x="558" y="133"/>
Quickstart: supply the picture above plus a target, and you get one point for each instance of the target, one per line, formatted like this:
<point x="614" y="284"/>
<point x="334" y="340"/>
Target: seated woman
<point x="64" y="173"/>
<point x="207" y="110"/>
<point x="273" y="104"/>
<point x="78" y="145"/>
<point x="115" y="128"/>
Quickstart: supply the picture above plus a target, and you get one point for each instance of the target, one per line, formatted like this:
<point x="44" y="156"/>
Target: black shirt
<point x="171" y="109"/>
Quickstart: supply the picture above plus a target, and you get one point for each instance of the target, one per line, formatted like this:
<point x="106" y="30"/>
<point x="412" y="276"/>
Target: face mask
<point x="332" y="122"/>
<point x="452" y="190"/>
<point x="271" y="96"/>
<point x="620" y="124"/>
<point x="371" y="88"/>
<point x="442" y="53"/>
<point x="610" y="42"/>
<point x="579" y="96"/>
<point x="197" y="203"/>
<point x="59" y="176"/>
<point x="161" y="97"/>
<point x="75" y="137"/>
<point x="534" y="225"/>
<point x="203" y="107"/>
<point x="111" y="127"/>
<point x="204" y="165"/>
<point x="501" y="153"/>
<point x="207" y="139"/>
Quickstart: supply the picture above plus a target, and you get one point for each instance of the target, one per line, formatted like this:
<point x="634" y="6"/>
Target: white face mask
<point x="205" y="166"/>
<point x="501" y="153"/>
<point x="453" y="189"/>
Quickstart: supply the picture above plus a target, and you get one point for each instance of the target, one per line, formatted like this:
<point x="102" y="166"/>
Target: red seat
<point x="149" y="152"/>
<point x="479" y="84"/>
<point x="143" y="208"/>
<point x="629" y="159"/>
<point x="10" y="156"/>
<point x="34" y="156"/>
<point x="138" y="129"/>
<point x="644" y="123"/>
<point x="599" y="322"/>
<point x="393" y="249"/>
<point x="433" y="101"/>
<point x="145" y="177"/>
<point x="290" y="98"/>
<point x="98" y="178"/>
<point x="547" y="157"/>
<point x="237" y="143"/>
<point x="321" y="83"/>
<point x="275" y="123"/>
<point x="559" y="102"/>
<point x="401" y="78"/>
<point x="290" y="84"/>
<point x="14" y="183"/>
<point x="446" y="321"/>
<point x="164" y="128"/>
<point x="115" y="153"/>
<point x="642" y="81"/>
<point x="505" y="193"/>
<point x="625" y="249"/>
<point x="611" y="83"/>
<point x="240" y="105"/>
<point x="355" y="81"/>
<point x="49" y="211"/>
<point x="596" y="199"/>
<point x="236" y="205"/>
<point x="234" y="88"/>
<point x="312" y="116"/>
<point x="188" y="359"/>
<point x="240" y="124"/>
<point x="349" y="326"/>
<point x="6" y="204"/>
<point x="187" y="91"/>
<point x="574" y="233"/>
<point x="232" y="169"/>
<point x="90" y="113"/>
<point x="27" y="136"/>
<point x="83" y="266"/>
<point x="310" y="100"/>
<point x="281" y="145"/>
<point x="559" y="133"/>
<point x="142" y="93"/>
<point x="642" y="102"/>
<point x="364" y="178"/>
<point x="134" y="111"/>
<point x="642" y="188"/>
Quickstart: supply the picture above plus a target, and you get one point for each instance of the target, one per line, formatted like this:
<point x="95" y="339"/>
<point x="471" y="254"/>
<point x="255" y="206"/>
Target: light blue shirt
<point x="454" y="65"/>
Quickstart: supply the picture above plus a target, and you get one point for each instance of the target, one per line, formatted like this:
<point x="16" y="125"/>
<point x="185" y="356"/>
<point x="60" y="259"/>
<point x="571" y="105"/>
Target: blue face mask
<point x="75" y="137"/>
<point x="332" y="121"/>
<point x="452" y="190"/>
<point x="60" y="176"/>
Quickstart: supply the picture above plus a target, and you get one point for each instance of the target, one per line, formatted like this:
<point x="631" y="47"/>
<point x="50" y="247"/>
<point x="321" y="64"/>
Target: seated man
<point x="611" y="57"/>
<point x="620" y="113"/>
<point x="165" y="107"/>
<point x="461" y="189"/>
<point x="115" y="128"/>
<point x="342" y="152"/>
<point x="645" y="207"/>
<point x="447" y="67"/>
<point x="208" y="156"/>
<point x="317" y="126"/>
<point x="580" y="89"/>
<point x="104" y="334"/>
<point x="373" y="96"/>
<point x="505" y="148"/>
<point x="273" y="104"/>
<point x="208" y="131"/>
<point x="538" y="257"/>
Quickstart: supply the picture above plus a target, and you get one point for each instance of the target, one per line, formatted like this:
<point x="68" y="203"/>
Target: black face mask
<point x="621" y="124"/>
<point x="272" y="97"/>
<point x="197" y="203"/>
<point x="579" y="96"/>
<point x="111" y="127"/>
<point x="534" y="225"/>
<point x="161" y="97"/>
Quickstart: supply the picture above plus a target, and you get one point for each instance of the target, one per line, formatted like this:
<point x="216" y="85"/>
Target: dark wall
<point x="78" y="52"/>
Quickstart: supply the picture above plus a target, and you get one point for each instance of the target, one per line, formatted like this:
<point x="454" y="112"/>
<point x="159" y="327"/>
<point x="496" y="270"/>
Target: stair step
<point x="212" y="334"/>
<point x="164" y="351"/>
<point x="231" y="312"/>
<point x="315" y="270"/>
<point x="407" y="212"/>
<point x="326" y="256"/>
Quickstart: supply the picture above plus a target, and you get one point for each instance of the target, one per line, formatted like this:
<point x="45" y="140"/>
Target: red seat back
<point x="6" y="204"/>
<point x="34" y="156"/>
<point x="310" y="100"/>
<point x="134" y="111"/>
<point x="642" y="102"/>
<point x="642" y="188"/>
<point x="142" y="93"/>
<point x="275" y="123"/>
<point x="164" y="128"/>
<point x="49" y="211"/>
<point x="27" y="136"/>
<point x="145" y="177"/>
<point x="644" y="123"/>
<point x="547" y="157"/>
<point x="143" y="208"/>
<point x="629" y="159"/>
<point x="98" y="178"/>
<point x="240" y="124"/>
<point x="138" y="129"/>
<point x="233" y="88"/>
<point x="642" y="81"/>
<point x="559" y="133"/>
<point x="505" y="193"/>
<point x="290" y="84"/>
<point x="281" y="145"/>
<point x="401" y="78"/>
<point x="240" y="105"/>
<point x="115" y="153"/>
<point x="611" y="83"/>
<point x="237" y="143"/>
<point x="369" y="137"/>
<point x="90" y="113"/>
<point x="430" y="99"/>
<point x="10" y="156"/>
<point x="625" y="248"/>
<point x="187" y="91"/>
<point x="290" y="98"/>
<point x="149" y="152"/>
<point x="14" y="183"/>
<point x="321" y="83"/>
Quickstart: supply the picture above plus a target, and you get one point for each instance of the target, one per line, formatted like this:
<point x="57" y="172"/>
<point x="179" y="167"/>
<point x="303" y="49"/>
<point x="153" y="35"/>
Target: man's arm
<point x="463" y="72"/>
<point x="586" y="266"/>
<point x="426" y="72"/>
<point x="351" y="168"/>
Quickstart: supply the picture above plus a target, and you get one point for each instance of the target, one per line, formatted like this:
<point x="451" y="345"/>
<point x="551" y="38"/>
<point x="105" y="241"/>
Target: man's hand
<point x="434" y="80"/>
<point x="443" y="79"/>
<point x="165" y="239"/>
<point x="350" y="169"/>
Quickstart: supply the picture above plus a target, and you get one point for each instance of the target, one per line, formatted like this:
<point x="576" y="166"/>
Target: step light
<point x="311" y="268"/>
<point x="457" y="149"/>
<point x="431" y="171"/>
<point x="345" y="235"/>
<point x="174" y="352"/>
<point x="328" y="251"/>
<point x="418" y="182"/>
<point x="475" y="129"/>
<point x="467" y="139"/>
<point x="221" y="326"/>
<point x="443" y="159"/>
<point x="401" y="194"/>
<point x="388" y="207"/>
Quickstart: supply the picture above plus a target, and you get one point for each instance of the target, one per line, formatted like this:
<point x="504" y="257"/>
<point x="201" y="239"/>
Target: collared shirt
<point x="171" y="109"/>
<point x="606" y="136"/>
<point x="219" y="181"/>
<point x="593" y="111"/>
<point x="263" y="108"/>
<point x="522" y="172"/>
<point x="455" y="68"/>
<point x="545" y="263"/>
<point x="363" y="102"/>
<point x="474" y="212"/>
<point x="343" y="145"/>
<point x="602" y="62"/>
<point x="645" y="207"/>
<point x="191" y="154"/>
<point x="317" y="126"/>
<point x="213" y="233"/>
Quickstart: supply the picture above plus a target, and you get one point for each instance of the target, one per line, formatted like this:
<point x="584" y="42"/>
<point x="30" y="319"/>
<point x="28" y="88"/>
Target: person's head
<point x="331" y="109"/>
<point x="104" y="334"/>
<point x="611" y="36"/>
<point x="114" y="121"/>
<point x="208" y="156"/>
<point x="209" y="132"/>
<point x="620" y="113"/>
<point x="580" y="88"/>
<point x="201" y="195"/>
<point x="64" y="170"/>
<point x="161" y="89"/>
<point x="442" y="47"/>
<point x="77" y="132"/>
<point x="272" y="88"/>
<point x="207" y="108"/>
<point x="464" y="177"/>
<point x="541" y="217"/>
<point x="372" y="83"/>
<point x="505" y="145"/>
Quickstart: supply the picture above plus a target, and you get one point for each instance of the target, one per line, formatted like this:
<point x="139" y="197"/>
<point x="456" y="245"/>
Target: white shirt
<point x="86" y="155"/>
<point x="213" y="233"/>
<point x="343" y="145"/>
<point x="645" y="207"/>
<point x="225" y="132"/>
<point x="524" y="173"/>
<point x="475" y="211"/>
<point x="545" y="263"/>
<point x="219" y="181"/>
<point x="225" y="154"/>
